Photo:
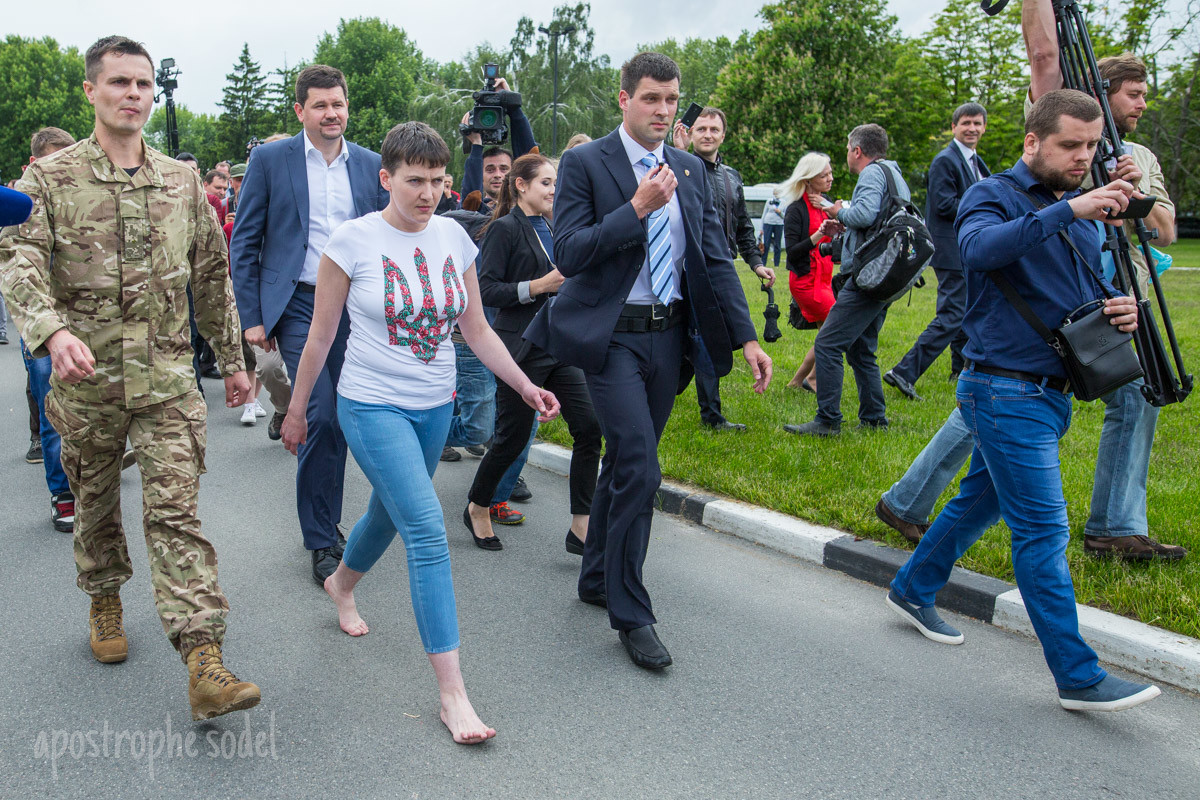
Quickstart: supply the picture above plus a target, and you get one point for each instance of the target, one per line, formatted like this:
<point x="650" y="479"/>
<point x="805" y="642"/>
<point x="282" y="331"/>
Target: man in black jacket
<point x="706" y="137"/>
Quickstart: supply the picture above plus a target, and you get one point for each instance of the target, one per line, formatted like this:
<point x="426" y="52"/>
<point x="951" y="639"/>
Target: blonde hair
<point x="808" y="167"/>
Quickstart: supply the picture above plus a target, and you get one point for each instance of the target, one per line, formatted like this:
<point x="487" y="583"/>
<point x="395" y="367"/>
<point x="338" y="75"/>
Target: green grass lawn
<point x="837" y="482"/>
<point x="1185" y="252"/>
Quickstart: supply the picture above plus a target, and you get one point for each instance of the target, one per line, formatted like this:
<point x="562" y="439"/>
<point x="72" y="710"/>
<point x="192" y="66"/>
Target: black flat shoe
<point x="482" y="542"/>
<point x="324" y="563"/>
<point x="574" y="544"/>
<point x="598" y="599"/>
<point x="644" y="648"/>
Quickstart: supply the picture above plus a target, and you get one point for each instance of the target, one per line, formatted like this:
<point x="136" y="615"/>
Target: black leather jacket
<point x="725" y="182"/>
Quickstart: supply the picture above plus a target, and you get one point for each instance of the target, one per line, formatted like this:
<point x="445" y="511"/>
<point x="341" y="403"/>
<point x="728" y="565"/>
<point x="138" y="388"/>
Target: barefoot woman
<point x="406" y="278"/>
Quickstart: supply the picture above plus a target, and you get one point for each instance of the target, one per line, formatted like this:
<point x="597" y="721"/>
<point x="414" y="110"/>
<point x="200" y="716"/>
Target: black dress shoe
<point x="520" y="492"/>
<point x="574" y="544"/>
<point x="482" y="542"/>
<point x="594" y="598"/>
<point x="339" y="546"/>
<point x="324" y="563"/>
<point x="814" y="428"/>
<point x="725" y="425"/>
<point x="644" y="648"/>
<point x="212" y="373"/>
<point x="907" y="389"/>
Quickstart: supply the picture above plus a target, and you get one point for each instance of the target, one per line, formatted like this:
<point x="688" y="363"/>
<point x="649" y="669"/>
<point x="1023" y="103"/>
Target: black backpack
<point x="892" y="258"/>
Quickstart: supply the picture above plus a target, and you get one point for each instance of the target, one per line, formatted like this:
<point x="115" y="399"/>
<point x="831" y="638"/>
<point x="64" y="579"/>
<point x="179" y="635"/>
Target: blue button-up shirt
<point x="998" y="229"/>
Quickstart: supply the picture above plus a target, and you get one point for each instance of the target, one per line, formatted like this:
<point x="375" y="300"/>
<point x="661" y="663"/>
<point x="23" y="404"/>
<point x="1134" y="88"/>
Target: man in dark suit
<point x="952" y="172"/>
<point x="650" y="295"/>
<point x="295" y="193"/>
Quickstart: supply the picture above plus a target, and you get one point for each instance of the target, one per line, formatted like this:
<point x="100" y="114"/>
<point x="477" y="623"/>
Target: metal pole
<point x="554" y="121"/>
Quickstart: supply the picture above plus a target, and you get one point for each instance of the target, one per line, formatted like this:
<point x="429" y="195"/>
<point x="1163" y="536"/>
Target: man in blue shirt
<point x="1026" y="224"/>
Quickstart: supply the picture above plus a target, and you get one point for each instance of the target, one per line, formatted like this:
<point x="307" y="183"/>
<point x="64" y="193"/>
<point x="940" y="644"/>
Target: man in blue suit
<point x="952" y="172"/>
<point x="295" y="193"/>
<point x="650" y="296"/>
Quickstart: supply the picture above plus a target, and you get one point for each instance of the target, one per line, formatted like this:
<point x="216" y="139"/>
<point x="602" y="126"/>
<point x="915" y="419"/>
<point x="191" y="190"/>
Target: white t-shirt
<point x="406" y="292"/>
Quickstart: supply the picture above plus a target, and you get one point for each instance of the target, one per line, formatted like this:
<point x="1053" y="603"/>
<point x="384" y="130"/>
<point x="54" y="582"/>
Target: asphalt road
<point x="789" y="681"/>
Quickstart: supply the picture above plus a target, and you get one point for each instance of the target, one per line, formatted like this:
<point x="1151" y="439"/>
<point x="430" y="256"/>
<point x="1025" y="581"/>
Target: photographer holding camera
<point x="485" y="168"/>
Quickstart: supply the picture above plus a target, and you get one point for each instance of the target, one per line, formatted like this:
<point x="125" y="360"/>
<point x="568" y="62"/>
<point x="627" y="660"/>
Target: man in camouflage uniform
<point x="98" y="278"/>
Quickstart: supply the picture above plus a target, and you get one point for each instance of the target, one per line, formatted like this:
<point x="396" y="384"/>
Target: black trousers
<point x="514" y="421"/>
<point x="633" y="395"/>
<point x="708" y="395"/>
<point x="945" y="329"/>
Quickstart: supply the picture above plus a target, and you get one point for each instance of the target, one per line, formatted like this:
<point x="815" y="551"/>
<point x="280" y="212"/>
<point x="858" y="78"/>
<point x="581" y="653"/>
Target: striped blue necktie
<point x="662" y="266"/>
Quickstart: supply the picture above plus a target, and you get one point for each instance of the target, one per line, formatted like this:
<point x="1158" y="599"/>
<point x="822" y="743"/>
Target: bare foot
<point x="460" y="718"/>
<point x="348" y="616"/>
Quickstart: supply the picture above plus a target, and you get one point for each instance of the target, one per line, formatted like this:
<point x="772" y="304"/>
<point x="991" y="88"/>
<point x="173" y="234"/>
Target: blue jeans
<point x="1122" y="464"/>
<point x="474" y="399"/>
<point x="1014" y="475"/>
<point x="513" y="473"/>
<point x="398" y="451"/>
<point x="772" y="237"/>
<point x="39" y="383"/>
<point x="912" y="497"/>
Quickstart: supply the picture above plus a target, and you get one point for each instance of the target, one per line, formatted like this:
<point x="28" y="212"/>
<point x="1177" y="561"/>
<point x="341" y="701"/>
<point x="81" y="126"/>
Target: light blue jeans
<point x="1122" y="464"/>
<point x="912" y="497"/>
<point x="1015" y="475"/>
<point x="398" y="450"/>
<point x="474" y="418"/>
<point x="39" y="383"/>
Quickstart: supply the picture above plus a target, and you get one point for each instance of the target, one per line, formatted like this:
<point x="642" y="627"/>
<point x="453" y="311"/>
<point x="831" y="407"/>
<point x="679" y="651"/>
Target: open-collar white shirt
<point x="330" y="202"/>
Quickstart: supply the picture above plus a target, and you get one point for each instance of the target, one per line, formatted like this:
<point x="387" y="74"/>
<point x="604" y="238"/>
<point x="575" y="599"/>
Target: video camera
<point x="167" y="77"/>
<point x="250" y="145"/>
<point x="491" y="105"/>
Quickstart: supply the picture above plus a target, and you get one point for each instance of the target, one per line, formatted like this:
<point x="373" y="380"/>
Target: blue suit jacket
<point x="949" y="179"/>
<point x="270" y="232"/>
<point x="600" y="246"/>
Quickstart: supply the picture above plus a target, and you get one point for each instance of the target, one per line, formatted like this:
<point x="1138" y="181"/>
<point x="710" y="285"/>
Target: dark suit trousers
<point x="945" y="329"/>
<point x="514" y="422"/>
<point x="708" y="395"/>
<point x="321" y="466"/>
<point x="851" y="329"/>
<point x="633" y="395"/>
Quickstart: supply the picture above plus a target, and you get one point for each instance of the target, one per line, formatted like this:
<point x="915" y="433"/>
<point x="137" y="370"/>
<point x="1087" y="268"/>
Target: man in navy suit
<point x="952" y="172"/>
<point x="650" y="296"/>
<point x="295" y="193"/>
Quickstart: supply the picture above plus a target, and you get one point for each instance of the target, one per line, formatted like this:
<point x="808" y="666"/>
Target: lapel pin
<point x="687" y="173"/>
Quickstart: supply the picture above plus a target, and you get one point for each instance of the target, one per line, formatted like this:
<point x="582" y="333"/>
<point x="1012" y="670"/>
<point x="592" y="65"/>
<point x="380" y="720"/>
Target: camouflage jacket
<point x="109" y="257"/>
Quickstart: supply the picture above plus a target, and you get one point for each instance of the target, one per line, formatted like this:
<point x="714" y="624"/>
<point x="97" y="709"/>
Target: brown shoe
<point x="1132" y="548"/>
<point x="909" y="530"/>
<point x="214" y="690"/>
<point x="108" y="629"/>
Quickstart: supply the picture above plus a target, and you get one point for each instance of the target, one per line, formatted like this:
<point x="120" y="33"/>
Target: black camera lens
<point x="488" y="118"/>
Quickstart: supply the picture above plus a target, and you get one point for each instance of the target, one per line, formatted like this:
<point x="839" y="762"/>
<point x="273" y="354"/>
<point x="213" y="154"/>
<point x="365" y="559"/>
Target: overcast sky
<point x="205" y="39"/>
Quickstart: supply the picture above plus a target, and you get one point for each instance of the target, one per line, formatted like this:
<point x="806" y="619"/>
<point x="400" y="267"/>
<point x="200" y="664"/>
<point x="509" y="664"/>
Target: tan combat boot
<point x="214" y="690"/>
<point x="107" y="629"/>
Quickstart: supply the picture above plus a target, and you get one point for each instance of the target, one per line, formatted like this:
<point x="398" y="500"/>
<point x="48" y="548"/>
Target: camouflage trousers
<point x="168" y="441"/>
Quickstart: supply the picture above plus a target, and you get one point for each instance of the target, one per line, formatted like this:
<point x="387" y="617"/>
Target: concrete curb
<point x="1125" y="643"/>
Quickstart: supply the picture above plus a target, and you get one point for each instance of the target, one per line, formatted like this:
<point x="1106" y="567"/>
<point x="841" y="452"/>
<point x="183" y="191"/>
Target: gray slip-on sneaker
<point x="1110" y="694"/>
<point x="926" y="620"/>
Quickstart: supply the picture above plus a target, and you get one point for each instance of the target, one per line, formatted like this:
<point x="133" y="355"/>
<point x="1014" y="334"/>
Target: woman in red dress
<point x="808" y="222"/>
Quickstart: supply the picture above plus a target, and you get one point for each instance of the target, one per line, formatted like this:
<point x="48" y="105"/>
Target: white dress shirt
<point x="330" y="202"/>
<point x="972" y="162"/>
<point x="642" y="293"/>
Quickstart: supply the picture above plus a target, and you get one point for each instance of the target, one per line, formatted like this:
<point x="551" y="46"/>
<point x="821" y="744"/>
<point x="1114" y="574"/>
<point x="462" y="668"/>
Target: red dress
<point x="813" y="292"/>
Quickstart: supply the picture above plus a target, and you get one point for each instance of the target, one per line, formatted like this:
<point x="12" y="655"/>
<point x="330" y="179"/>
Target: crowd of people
<point x="389" y="316"/>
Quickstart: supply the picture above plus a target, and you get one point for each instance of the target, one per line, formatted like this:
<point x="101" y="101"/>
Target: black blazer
<point x="949" y="179"/>
<point x="510" y="253"/>
<point x="600" y="245"/>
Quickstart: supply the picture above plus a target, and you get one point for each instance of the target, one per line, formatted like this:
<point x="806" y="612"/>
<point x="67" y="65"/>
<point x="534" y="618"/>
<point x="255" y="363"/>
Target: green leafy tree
<point x="281" y="96"/>
<point x="700" y="62"/>
<point x="245" y="104"/>
<point x="382" y="66"/>
<point x="199" y="134"/>
<point x="41" y="84"/>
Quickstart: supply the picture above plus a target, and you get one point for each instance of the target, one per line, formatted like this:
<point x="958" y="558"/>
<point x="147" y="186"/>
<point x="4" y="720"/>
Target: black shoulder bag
<point x="1097" y="356"/>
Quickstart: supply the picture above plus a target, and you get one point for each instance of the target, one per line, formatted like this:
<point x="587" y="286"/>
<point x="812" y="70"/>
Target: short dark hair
<point x="872" y="139"/>
<point x="212" y="175"/>
<point x="713" y="111"/>
<point x="1117" y="70"/>
<point x="968" y="110"/>
<point x="1044" y="119"/>
<point x="47" y="140"/>
<point x="186" y="156"/>
<point x="655" y="66"/>
<point x="319" y="76"/>
<point x="496" y="150"/>
<point x="413" y="143"/>
<point x="122" y="45"/>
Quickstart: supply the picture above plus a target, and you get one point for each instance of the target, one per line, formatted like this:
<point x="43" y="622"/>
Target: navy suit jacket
<point x="270" y="231"/>
<point x="600" y="246"/>
<point x="949" y="179"/>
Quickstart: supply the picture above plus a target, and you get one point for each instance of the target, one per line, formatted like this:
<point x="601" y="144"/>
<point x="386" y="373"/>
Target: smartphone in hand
<point x="691" y="115"/>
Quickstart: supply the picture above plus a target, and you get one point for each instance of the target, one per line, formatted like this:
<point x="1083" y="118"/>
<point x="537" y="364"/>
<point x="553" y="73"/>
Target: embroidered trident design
<point x="427" y="328"/>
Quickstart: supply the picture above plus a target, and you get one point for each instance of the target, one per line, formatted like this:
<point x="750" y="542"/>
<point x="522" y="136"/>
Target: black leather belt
<point x="1057" y="384"/>
<point x="645" y="319"/>
<point x="307" y="288"/>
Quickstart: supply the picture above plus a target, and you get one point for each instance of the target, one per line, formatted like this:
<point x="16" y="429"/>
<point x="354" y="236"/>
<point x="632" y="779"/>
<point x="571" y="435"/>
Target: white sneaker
<point x="259" y="411"/>
<point x="248" y="414"/>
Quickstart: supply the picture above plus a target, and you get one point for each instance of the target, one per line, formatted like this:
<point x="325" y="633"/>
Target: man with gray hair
<point x="952" y="172"/>
<point x="852" y="328"/>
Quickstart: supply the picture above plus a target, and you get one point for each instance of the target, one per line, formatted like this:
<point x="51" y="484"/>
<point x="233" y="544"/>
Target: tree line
<point x="813" y="71"/>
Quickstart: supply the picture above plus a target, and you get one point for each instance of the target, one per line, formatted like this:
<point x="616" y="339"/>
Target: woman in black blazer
<point x="516" y="276"/>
